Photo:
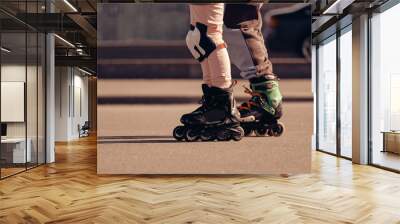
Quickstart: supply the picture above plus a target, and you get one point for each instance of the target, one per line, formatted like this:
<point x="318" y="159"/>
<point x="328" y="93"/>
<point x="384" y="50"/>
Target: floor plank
<point x="70" y="191"/>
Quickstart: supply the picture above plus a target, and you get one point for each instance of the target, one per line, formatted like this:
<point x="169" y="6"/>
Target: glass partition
<point x="327" y="95"/>
<point x="14" y="144"/>
<point x="22" y="88"/>
<point x="32" y="97"/>
<point x="32" y="102"/>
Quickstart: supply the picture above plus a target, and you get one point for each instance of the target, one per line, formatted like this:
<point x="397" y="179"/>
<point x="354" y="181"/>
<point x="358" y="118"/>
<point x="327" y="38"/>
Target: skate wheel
<point x="191" y="135"/>
<point x="179" y="133"/>
<point x="221" y="136"/>
<point x="278" y="130"/>
<point x="247" y="131"/>
<point x="260" y="132"/>
<point x="270" y="132"/>
<point x="239" y="135"/>
<point x="206" y="137"/>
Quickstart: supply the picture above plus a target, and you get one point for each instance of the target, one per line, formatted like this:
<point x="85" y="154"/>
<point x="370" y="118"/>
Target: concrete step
<point x="186" y="68"/>
<point x="159" y="60"/>
<point x="178" y="91"/>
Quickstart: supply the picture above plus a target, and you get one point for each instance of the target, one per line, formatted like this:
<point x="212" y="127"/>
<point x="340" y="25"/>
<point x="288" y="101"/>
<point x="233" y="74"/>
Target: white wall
<point x="13" y="101"/>
<point x="33" y="126"/>
<point x="17" y="73"/>
<point x="14" y="73"/>
<point x="80" y="110"/>
<point x="62" y="81"/>
<point x="71" y="94"/>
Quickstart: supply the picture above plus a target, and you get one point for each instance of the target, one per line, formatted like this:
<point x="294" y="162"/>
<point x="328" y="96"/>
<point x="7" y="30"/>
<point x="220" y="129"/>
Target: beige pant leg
<point x="205" y="68"/>
<point x="220" y="68"/>
<point x="216" y="68"/>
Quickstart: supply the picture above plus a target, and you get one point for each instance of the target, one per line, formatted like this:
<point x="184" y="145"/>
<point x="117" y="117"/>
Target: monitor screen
<point x="3" y="129"/>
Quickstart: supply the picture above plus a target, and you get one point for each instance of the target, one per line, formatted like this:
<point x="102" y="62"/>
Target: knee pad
<point x="199" y="43"/>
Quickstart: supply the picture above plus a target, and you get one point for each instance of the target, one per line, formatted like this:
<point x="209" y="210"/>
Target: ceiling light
<point x="70" y="5"/>
<point x="84" y="71"/>
<point x="5" y="50"/>
<point x="65" y="41"/>
<point x="338" y="6"/>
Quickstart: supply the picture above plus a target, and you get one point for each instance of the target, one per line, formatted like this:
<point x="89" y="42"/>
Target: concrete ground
<point x="173" y="88"/>
<point x="137" y="138"/>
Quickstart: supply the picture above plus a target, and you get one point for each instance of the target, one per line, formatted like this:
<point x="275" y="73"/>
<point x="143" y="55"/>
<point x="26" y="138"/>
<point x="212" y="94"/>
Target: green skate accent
<point x="273" y="96"/>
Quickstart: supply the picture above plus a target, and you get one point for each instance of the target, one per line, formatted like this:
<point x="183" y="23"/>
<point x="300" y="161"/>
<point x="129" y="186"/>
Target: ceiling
<point x="75" y="22"/>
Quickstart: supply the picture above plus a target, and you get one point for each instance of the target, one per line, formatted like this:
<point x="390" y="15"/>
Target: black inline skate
<point x="216" y="119"/>
<point x="262" y="112"/>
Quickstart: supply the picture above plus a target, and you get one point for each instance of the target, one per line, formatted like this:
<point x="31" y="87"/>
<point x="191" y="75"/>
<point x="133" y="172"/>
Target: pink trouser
<point x="217" y="67"/>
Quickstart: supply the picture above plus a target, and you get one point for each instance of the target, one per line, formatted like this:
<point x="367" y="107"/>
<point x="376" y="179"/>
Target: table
<point x="13" y="150"/>
<point x="391" y="141"/>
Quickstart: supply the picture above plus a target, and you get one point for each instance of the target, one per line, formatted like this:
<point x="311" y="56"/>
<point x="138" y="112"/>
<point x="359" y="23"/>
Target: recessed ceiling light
<point x="64" y="40"/>
<point x="70" y="5"/>
<point x="85" y="72"/>
<point x="5" y="50"/>
<point x="337" y="7"/>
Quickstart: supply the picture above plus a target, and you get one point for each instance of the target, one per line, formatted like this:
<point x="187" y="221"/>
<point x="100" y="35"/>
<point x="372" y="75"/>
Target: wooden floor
<point x="69" y="191"/>
<point x="387" y="159"/>
<point x="5" y="172"/>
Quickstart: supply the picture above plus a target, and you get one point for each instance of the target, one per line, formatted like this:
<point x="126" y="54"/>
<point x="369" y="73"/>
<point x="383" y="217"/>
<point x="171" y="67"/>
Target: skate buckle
<point x="247" y="119"/>
<point x="268" y="108"/>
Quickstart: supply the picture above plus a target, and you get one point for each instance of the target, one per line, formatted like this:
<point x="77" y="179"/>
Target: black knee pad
<point x="199" y="43"/>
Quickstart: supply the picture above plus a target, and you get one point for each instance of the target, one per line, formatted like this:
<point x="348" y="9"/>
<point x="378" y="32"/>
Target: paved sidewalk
<point x="135" y="131"/>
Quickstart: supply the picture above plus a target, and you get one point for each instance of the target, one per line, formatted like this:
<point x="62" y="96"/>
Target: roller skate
<point x="262" y="112"/>
<point x="216" y="119"/>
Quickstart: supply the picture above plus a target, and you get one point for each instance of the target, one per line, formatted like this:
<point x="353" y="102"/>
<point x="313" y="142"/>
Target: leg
<point x="206" y="22"/>
<point x="205" y="68"/>
<point x="220" y="65"/>
<point x="244" y="34"/>
<point x="217" y="117"/>
<point x="249" y="54"/>
<point x="220" y="68"/>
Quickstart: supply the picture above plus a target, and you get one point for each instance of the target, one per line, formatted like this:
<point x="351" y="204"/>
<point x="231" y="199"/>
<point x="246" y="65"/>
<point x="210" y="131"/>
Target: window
<point x="327" y="96"/>
<point x="385" y="89"/>
<point x="346" y="74"/>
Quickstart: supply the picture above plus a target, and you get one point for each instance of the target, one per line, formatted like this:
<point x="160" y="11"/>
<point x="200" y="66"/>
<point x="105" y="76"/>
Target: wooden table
<point x="391" y="141"/>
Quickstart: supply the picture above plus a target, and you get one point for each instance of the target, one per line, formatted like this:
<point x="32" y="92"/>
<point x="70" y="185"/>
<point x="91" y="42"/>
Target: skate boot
<point x="262" y="112"/>
<point x="216" y="119"/>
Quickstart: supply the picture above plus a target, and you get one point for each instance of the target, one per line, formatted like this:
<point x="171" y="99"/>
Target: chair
<point x="84" y="130"/>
